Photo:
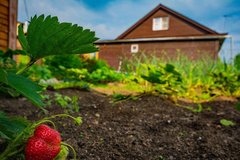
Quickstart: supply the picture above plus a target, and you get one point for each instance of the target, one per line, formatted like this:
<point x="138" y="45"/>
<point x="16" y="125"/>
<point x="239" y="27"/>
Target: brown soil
<point x="149" y="128"/>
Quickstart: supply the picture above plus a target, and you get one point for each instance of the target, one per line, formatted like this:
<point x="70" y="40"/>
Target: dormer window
<point x="160" y="23"/>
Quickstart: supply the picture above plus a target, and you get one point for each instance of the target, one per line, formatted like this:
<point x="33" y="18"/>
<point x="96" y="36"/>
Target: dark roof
<point x="174" y="13"/>
<point x="163" y="39"/>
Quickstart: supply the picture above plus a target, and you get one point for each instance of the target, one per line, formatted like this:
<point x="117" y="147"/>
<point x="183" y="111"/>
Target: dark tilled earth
<point x="149" y="128"/>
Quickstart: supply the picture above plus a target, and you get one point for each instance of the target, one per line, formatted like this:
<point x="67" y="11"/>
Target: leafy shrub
<point x="38" y="72"/>
<point x="58" y="64"/>
<point x="104" y="75"/>
<point x="227" y="80"/>
<point x="93" y="64"/>
<point x="75" y="74"/>
<point x="166" y="78"/>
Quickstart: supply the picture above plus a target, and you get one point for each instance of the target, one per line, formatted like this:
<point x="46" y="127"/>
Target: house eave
<point x="163" y="39"/>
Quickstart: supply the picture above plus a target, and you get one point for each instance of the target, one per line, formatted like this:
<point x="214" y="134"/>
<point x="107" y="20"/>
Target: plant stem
<point x="26" y="67"/>
<point x="74" y="152"/>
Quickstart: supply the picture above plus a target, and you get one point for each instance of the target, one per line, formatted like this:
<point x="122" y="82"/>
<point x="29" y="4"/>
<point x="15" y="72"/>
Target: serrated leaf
<point x="4" y="136"/>
<point x="11" y="126"/>
<point x="3" y="76"/>
<point x="46" y="36"/>
<point x="26" y="87"/>
<point x="22" y="39"/>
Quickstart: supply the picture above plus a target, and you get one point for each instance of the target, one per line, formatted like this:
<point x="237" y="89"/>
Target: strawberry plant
<point x="45" y="37"/>
<point x="39" y="141"/>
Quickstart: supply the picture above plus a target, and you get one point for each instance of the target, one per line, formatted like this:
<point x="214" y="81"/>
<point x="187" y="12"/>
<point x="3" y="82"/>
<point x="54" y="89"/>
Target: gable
<point x="179" y="26"/>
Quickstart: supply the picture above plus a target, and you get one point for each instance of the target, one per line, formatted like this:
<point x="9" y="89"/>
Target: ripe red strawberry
<point x="44" y="144"/>
<point x="38" y="149"/>
<point x="48" y="134"/>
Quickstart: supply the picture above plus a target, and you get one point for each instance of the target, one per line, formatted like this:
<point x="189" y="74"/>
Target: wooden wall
<point x="8" y="24"/>
<point x="112" y="53"/>
<point x="177" y="28"/>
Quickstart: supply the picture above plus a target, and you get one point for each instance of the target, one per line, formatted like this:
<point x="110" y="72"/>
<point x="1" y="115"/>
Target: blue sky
<point x="109" y="18"/>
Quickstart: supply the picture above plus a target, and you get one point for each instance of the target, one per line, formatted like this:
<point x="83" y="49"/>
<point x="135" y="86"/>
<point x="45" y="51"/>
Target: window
<point x="134" y="48"/>
<point x="160" y="23"/>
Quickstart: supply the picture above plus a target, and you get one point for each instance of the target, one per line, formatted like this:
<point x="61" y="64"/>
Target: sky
<point x="110" y="18"/>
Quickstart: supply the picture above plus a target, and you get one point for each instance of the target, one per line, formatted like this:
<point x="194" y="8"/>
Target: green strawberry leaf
<point x="46" y="36"/>
<point x="22" y="39"/>
<point x="26" y="87"/>
<point x="3" y="76"/>
<point x="10" y="127"/>
<point x="22" y="85"/>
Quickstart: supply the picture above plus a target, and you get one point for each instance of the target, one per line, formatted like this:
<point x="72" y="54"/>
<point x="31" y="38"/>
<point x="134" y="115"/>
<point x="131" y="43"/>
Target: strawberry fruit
<point x="44" y="144"/>
<point x="48" y="134"/>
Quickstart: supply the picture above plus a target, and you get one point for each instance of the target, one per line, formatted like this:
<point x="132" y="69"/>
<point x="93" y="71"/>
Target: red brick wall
<point x="112" y="53"/>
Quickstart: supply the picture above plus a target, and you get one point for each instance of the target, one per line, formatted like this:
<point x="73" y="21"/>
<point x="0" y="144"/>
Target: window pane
<point x="160" y="23"/>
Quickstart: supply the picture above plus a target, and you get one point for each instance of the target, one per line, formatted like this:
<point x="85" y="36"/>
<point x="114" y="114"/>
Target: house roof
<point x="164" y="39"/>
<point x="174" y="13"/>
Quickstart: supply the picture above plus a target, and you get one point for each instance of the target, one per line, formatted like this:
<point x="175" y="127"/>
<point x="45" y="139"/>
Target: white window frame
<point x="160" y="23"/>
<point x="134" y="48"/>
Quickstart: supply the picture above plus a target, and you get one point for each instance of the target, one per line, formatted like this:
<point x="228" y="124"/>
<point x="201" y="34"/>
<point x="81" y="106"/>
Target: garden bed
<point x="150" y="127"/>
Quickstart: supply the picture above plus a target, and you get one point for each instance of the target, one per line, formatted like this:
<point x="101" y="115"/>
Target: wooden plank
<point x="3" y="35"/>
<point x="3" y="16"/>
<point x="3" y="10"/>
<point x="4" y="3"/>
<point x="3" y="28"/>
<point x="4" y="21"/>
<point x="12" y="36"/>
<point x="3" y="43"/>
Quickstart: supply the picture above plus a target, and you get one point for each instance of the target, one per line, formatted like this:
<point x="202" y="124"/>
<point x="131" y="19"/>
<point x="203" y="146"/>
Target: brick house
<point x="163" y="32"/>
<point x="8" y="24"/>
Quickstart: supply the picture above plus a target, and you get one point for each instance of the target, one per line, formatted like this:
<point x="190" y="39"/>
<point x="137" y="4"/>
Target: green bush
<point x="38" y="72"/>
<point x="75" y="74"/>
<point x="93" y="64"/>
<point x="58" y="64"/>
<point x="73" y="68"/>
<point x="226" y="80"/>
<point x="105" y="75"/>
<point x="100" y="75"/>
<point x="165" y="77"/>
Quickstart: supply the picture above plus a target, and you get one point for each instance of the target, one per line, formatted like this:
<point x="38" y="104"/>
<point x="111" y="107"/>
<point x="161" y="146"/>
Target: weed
<point x="117" y="97"/>
<point x="227" y="123"/>
<point x="69" y="104"/>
